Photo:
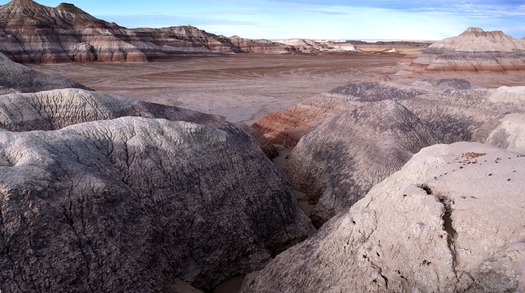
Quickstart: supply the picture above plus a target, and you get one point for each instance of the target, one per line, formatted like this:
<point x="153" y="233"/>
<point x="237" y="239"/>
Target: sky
<point x="313" y="19"/>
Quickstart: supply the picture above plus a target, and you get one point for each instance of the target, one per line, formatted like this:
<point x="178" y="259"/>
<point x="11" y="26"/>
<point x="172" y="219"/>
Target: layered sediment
<point x="474" y="50"/>
<point x="34" y="33"/>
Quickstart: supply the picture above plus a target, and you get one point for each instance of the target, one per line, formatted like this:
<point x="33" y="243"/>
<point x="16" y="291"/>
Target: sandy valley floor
<point x="239" y="87"/>
<point x="245" y="87"/>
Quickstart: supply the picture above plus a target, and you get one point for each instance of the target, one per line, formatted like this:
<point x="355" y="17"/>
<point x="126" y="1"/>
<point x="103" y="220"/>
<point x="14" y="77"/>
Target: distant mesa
<point x="33" y="33"/>
<point x="474" y="50"/>
<point x="313" y="46"/>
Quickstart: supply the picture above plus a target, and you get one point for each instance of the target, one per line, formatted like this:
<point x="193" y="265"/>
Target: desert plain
<point x="240" y="87"/>
<point x="245" y="87"/>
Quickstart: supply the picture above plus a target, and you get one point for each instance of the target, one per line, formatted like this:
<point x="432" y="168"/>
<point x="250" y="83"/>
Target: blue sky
<point x="332" y="19"/>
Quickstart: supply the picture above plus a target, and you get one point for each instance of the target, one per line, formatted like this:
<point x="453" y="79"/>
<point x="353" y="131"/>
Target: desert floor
<point x="245" y="87"/>
<point x="240" y="87"/>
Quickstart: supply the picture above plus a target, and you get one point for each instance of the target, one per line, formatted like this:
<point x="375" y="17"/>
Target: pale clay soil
<point x="246" y="87"/>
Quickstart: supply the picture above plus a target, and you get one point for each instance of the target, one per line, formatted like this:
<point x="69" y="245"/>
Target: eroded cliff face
<point x="94" y="202"/>
<point x="33" y="33"/>
<point x="474" y="50"/>
<point x="451" y="220"/>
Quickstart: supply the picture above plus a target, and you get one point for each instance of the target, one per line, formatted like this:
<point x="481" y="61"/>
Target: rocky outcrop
<point x="132" y="203"/>
<point x="34" y="33"/>
<point x="474" y="50"/>
<point x="314" y="46"/>
<point x="288" y="126"/>
<point x="358" y="134"/>
<point x="451" y="220"/>
<point x="340" y="160"/>
<point x="18" y="78"/>
<point x="510" y="134"/>
<point x="244" y="45"/>
<point x="56" y="109"/>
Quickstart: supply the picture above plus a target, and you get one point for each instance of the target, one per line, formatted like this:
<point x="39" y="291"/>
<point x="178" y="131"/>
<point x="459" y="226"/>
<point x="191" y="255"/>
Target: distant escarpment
<point x="351" y="138"/>
<point x="93" y="201"/>
<point x="474" y="50"/>
<point x="33" y="33"/>
<point x="451" y="220"/>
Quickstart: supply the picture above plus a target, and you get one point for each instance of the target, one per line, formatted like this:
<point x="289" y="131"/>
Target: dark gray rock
<point x="137" y="205"/>
<point x="340" y="160"/>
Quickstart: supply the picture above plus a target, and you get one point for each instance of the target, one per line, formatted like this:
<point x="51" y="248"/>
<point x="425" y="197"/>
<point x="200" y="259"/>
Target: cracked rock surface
<point x="450" y="220"/>
<point x="133" y="204"/>
<point x="51" y="110"/>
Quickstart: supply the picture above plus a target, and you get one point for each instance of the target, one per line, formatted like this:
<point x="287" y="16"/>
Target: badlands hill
<point x="474" y="50"/>
<point x="355" y="136"/>
<point x="16" y="77"/>
<point x="33" y="33"/>
<point x="101" y="193"/>
<point x="30" y="32"/>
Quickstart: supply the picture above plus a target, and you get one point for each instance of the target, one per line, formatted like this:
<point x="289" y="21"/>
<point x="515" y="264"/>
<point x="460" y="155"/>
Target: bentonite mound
<point x="56" y="109"/>
<point x="17" y="77"/>
<point x="474" y="50"/>
<point x="339" y="161"/>
<point x="451" y="220"/>
<point x="286" y="127"/>
<point x="138" y="205"/>
<point x="51" y="110"/>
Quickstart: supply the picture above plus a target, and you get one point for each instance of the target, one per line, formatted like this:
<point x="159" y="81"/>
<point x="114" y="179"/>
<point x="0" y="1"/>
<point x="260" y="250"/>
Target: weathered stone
<point x="337" y="162"/>
<point x="136" y="204"/>
<point x="340" y="160"/>
<point x="451" y="220"/>
<point x="510" y="134"/>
